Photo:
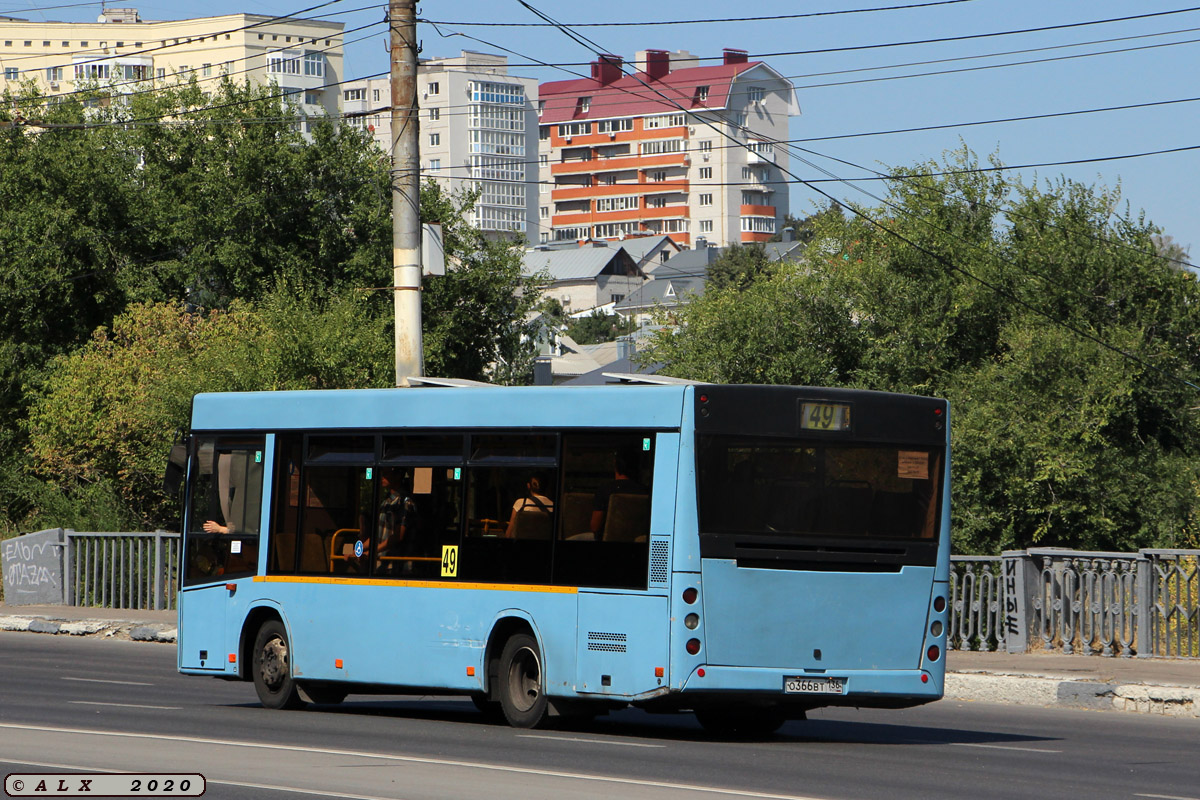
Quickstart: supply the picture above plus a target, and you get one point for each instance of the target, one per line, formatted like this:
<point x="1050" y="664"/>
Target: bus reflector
<point x="933" y="653"/>
<point x="659" y="672"/>
<point x="939" y="604"/>
<point x="700" y="672"/>
<point x="233" y="658"/>
<point x="693" y="646"/>
<point x="470" y="672"/>
<point x="924" y="678"/>
<point x="690" y="595"/>
<point x="337" y="663"/>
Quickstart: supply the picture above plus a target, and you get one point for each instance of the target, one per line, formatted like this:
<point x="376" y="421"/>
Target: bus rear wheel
<point x="272" y="668"/>
<point x="522" y="694"/>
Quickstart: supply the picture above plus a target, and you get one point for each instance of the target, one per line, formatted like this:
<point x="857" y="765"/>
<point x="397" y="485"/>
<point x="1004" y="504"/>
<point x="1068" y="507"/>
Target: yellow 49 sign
<point x="449" y="561"/>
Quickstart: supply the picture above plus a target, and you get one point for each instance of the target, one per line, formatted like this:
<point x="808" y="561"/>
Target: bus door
<point x="623" y="571"/>
<point x="225" y="495"/>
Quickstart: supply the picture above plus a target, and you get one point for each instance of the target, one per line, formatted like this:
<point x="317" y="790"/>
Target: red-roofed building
<point x="668" y="145"/>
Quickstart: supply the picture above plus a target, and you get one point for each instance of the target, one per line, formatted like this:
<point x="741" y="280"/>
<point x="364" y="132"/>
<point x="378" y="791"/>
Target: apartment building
<point x="479" y="129"/>
<point x="121" y="50"/>
<point x="679" y="148"/>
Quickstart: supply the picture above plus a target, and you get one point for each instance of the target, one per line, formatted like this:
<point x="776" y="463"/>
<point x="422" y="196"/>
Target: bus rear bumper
<point x="865" y="688"/>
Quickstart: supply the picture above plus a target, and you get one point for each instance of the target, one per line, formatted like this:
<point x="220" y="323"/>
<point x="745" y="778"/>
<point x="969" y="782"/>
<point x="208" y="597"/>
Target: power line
<point x="650" y="23"/>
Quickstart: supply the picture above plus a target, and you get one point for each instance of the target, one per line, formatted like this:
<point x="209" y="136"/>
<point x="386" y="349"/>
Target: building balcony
<point x="618" y="164"/>
<point x="758" y="211"/>
<point x="576" y="218"/>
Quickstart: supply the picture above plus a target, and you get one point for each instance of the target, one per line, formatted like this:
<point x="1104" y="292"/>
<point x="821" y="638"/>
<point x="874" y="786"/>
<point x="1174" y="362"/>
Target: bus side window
<point x="604" y="527"/>
<point x="225" y="508"/>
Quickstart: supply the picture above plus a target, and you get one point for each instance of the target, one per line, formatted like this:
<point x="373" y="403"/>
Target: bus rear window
<point x="750" y="485"/>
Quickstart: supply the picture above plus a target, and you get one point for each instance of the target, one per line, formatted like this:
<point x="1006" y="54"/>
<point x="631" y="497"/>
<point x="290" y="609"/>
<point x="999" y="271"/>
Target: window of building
<point x="281" y="64"/>
<point x="314" y="65"/>
<point x="543" y="159"/>
<point x="657" y="176"/>
<point x="758" y="224"/>
<point x="434" y="88"/>
<point x="701" y="94"/>
<point x="616" y="203"/>
<point x="543" y="188"/>
<point x="575" y="129"/>
<point x="541" y="107"/>
<point x="47" y="44"/>
<point x="435" y="139"/>
<point x="663" y="121"/>
<point x="435" y="164"/>
<point x="738" y="119"/>
<point x="54" y="73"/>
<point x="312" y="98"/>
<point x="435" y="114"/>
<point x="375" y="97"/>
<point x="705" y="146"/>
<point x="662" y="146"/>
<point x="206" y="70"/>
<point x="11" y="73"/>
<point x="705" y="173"/>
<point x="756" y="93"/>
<point x="584" y="105"/>
<point x="656" y="201"/>
<point x="614" y="125"/>
<point x="544" y="237"/>
<point x="543" y="133"/>
<point x="747" y="174"/>
<point x="160" y="73"/>
<point x="353" y="94"/>
<point x="608" y="180"/>
<point x="706" y="226"/>
<point x="544" y="212"/>
<point x="616" y="298"/>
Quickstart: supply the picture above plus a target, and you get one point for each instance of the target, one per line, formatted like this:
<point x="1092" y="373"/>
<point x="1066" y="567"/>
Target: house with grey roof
<point x="587" y="277"/>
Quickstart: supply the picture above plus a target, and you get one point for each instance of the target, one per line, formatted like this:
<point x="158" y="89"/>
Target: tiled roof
<point x="639" y="94"/>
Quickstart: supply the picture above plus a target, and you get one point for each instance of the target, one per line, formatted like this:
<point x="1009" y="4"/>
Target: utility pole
<point x="406" y="190"/>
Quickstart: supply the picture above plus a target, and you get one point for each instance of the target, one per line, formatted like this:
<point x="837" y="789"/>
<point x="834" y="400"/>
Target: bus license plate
<point x="814" y="685"/>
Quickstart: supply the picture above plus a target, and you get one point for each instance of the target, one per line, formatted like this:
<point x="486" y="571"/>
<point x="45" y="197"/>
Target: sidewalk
<point x="1168" y="687"/>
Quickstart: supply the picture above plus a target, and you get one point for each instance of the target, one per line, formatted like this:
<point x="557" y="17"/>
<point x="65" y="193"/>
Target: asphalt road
<point x="71" y="704"/>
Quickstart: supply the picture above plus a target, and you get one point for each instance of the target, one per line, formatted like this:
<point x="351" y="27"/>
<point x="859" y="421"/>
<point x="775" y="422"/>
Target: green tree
<point x="1063" y="341"/>
<point x="739" y="266"/>
<point x="480" y="320"/>
<point x="598" y="327"/>
<point x="106" y="415"/>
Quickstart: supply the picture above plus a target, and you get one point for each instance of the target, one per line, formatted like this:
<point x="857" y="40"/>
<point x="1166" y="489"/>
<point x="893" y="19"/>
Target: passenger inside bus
<point x="617" y="505"/>
<point x="531" y="513"/>
<point x="399" y="530"/>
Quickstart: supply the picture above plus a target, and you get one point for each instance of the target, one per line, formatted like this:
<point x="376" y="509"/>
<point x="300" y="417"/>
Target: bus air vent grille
<point x="607" y="642"/>
<point x="660" y="560"/>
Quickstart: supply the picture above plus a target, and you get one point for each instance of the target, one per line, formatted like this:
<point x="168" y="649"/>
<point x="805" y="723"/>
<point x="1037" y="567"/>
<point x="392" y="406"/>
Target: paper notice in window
<point x="423" y="480"/>
<point x="914" y="465"/>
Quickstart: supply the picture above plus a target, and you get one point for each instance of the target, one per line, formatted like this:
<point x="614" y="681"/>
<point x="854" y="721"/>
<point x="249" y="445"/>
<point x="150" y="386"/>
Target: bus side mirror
<point x="176" y="467"/>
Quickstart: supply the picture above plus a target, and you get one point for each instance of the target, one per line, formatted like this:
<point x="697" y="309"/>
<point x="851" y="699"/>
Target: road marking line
<point x="589" y="741"/>
<point x="98" y="680"/>
<point x="1004" y="747"/>
<point x="123" y="705"/>
<point x="1164" y="797"/>
<point x="437" y="762"/>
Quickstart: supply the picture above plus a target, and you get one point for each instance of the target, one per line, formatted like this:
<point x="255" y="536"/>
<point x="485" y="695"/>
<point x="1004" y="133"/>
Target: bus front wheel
<point x="522" y="694"/>
<point x="272" y="668"/>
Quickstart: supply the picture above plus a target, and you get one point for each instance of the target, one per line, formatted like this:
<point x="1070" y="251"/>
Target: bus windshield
<point x="780" y="486"/>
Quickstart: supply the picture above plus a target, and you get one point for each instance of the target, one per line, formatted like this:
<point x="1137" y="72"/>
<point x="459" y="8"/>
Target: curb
<point x="117" y="629"/>
<point x="1039" y="690"/>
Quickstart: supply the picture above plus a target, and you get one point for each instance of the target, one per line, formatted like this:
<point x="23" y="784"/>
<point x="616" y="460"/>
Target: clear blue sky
<point x="1165" y="186"/>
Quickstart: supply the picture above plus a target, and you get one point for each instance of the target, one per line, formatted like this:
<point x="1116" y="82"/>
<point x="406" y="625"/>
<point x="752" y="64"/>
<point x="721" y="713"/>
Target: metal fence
<point x="122" y="570"/>
<point x="1110" y="604"/>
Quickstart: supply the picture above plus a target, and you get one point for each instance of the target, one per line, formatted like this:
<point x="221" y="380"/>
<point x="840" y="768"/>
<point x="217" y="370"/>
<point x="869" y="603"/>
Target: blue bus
<point x="743" y="553"/>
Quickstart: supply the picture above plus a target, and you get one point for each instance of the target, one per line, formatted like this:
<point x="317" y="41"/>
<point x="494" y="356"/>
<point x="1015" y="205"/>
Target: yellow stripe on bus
<point x="494" y="587"/>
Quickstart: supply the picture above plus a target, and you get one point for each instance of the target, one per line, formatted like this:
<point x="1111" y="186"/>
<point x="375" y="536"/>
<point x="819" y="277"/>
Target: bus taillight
<point x="939" y="604"/>
<point x="933" y="653"/>
<point x="693" y="646"/>
<point x="690" y="595"/>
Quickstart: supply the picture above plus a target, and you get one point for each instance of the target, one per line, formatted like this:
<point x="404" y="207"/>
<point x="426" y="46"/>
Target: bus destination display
<point x="825" y="416"/>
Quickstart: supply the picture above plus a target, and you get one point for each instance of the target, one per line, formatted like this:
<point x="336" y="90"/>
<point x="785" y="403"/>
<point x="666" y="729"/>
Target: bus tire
<point x="522" y="690"/>
<point x="741" y="723"/>
<point x="272" y="668"/>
